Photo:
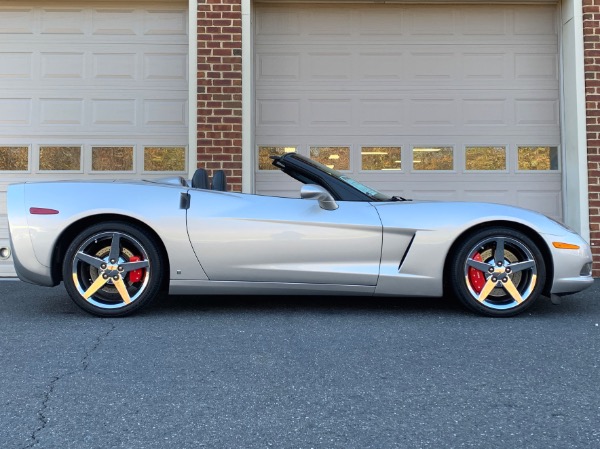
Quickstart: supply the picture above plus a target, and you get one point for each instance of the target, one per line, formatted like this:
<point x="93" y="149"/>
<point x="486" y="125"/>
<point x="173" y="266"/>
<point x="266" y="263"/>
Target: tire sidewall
<point x="458" y="281"/>
<point x="156" y="272"/>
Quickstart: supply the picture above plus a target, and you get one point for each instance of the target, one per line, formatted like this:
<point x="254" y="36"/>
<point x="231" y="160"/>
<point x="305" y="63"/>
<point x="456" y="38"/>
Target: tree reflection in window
<point x="60" y="158"/>
<point x="433" y="158"/>
<point x="381" y="158"/>
<point x="167" y="159"/>
<point x="14" y="158"/>
<point x="537" y="158"/>
<point x="112" y="158"/>
<point x="337" y="158"/>
<point x="492" y="158"/>
<point x="265" y="152"/>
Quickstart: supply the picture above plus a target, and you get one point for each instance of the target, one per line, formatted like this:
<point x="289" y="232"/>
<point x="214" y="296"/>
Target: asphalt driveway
<point x="290" y="372"/>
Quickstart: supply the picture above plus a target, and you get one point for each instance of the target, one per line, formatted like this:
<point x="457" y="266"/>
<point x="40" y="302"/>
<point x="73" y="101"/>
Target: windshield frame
<point x="291" y="163"/>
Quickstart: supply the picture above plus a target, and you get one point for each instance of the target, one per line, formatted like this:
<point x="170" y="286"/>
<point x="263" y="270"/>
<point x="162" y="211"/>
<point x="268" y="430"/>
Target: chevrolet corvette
<point x="116" y="245"/>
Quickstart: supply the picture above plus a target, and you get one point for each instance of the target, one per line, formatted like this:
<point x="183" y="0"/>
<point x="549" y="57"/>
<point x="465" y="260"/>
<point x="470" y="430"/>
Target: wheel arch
<point x="68" y="234"/>
<point x="532" y="234"/>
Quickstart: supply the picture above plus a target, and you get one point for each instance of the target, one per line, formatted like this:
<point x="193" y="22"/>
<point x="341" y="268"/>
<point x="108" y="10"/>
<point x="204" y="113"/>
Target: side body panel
<point x="436" y="226"/>
<point x="239" y="237"/>
<point x="34" y="237"/>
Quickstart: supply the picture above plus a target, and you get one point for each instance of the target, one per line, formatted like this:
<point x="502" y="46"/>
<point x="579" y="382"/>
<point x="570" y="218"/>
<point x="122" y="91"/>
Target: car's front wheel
<point x="498" y="272"/>
<point x="112" y="269"/>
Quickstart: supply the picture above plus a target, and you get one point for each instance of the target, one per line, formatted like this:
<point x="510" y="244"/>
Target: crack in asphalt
<point x="47" y="395"/>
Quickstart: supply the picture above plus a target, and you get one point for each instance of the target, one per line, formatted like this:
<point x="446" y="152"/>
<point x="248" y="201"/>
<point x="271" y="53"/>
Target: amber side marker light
<point x="42" y="211"/>
<point x="561" y="245"/>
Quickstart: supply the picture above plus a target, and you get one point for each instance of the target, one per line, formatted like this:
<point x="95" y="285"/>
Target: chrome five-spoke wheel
<point x="112" y="269"/>
<point x="498" y="272"/>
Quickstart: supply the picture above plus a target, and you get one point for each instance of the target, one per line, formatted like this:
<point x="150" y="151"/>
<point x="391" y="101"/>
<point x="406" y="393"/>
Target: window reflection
<point x="14" y="158"/>
<point x="433" y="158"/>
<point x="112" y="158"/>
<point x="537" y="158"/>
<point x="60" y="158"/>
<point x="264" y="156"/>
<point x="337" y="158"/>
<point x="485" y="158"/>
<point x="164" y="159"/>
<point x="381" y="158"/>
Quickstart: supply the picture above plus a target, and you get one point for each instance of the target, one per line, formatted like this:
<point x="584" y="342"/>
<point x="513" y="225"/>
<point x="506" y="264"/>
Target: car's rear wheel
<point x="498" y="272"/>
<point x="112" y="269"/>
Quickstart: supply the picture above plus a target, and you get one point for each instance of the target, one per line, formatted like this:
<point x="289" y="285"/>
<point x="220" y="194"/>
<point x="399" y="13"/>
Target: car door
<point x="240" y="237"/>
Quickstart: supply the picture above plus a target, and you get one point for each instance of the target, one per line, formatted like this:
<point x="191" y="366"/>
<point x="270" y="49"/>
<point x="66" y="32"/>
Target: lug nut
<point x="120" y="268"/>
<point x="504" y="279"/>
<point x="508" y="270"/>
<point x="103" y="266"/>
<point x="494" y="279"/>
<point x="105" y="276"/>
<point x="491" y="269"/>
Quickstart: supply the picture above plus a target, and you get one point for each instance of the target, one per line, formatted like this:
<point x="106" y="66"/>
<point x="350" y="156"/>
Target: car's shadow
<point x="58" y="302"/>
<point x="324" y="305"/>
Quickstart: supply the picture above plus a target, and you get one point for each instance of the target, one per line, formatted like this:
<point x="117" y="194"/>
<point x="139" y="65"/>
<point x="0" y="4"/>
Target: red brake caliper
<point x="476" y="277"/>
<point x="135" y="275"/>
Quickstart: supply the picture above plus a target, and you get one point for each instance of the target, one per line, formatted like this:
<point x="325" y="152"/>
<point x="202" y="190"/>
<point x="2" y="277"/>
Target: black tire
<point x="497" y="289"/>
<point x="113" y="269"/>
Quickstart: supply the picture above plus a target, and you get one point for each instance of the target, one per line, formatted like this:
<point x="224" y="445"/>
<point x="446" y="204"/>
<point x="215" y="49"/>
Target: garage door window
<point x="485" y="158"/>
<point x="381" y="158"/>
<point x="118" y="159"/>
<point x="265" y="153"/>
<point x="537" y="158"/>
<point x="164" y="159"/>
<point x="433" y="158"/>
<point x="60" y="158"/>
<point x="14" y="159"/>
<point x="337" y="158"/>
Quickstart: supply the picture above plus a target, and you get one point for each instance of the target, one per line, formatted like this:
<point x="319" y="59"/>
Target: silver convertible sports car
<point x="117" y="244"/>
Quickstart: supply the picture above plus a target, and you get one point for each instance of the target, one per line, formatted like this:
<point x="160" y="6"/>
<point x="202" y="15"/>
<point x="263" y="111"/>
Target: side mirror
<point x="315" y="192"/>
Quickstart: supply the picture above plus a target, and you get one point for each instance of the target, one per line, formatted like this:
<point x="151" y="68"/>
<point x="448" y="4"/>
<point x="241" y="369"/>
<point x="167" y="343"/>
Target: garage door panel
<point x="457" y="24"/>
<point x="16" y="20"/>
<point x="546" y="202"/>
<point x="360" y="66"/>
<point x="415" y="76"/>
<point x="15" y="110"/>
<point x="86" y="75"/>
<point x="381" y="112"/>
<point x="416" y="113"/>
<point x="537" y="112"/>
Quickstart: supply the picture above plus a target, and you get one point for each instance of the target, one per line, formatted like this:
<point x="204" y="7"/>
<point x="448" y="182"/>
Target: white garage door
<point x="91" y="89"/>
<point x="428" y="102"/>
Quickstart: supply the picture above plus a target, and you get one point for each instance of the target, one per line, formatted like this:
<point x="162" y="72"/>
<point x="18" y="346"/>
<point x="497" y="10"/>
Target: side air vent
<point x="406" y="252"/>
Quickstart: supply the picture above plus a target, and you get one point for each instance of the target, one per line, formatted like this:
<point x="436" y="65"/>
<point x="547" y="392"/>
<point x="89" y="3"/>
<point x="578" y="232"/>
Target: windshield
<point x="371" y="193"/>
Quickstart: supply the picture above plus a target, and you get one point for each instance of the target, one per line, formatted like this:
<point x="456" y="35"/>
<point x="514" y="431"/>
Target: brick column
<point x="220" y="88"/>
<point x="591" y="39"/>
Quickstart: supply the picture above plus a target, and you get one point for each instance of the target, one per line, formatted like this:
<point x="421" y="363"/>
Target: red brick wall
<point x="220" y="88"/>
<point x="591" y="39"/>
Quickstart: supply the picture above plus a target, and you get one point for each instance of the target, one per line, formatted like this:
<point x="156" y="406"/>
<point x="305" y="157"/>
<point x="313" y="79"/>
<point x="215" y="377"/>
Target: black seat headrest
<point x="200" y="179"/>
<point x="219" y="181"/>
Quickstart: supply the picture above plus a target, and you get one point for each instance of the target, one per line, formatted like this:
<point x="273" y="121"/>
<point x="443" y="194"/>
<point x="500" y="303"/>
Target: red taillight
<point x="42" y="211"/>
<point x="476" y="277"/>
<point x="135" y="275"/>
